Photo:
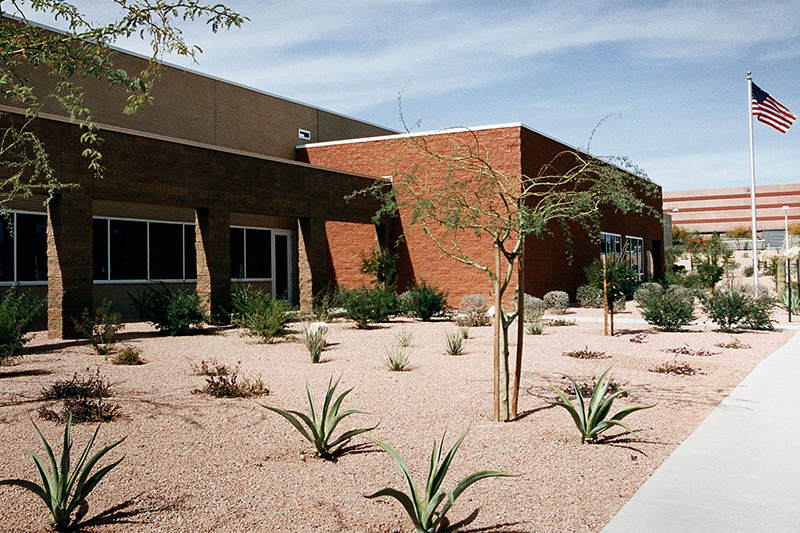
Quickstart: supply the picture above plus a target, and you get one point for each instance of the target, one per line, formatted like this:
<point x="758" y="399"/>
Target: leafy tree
<point x="457" y="190"/>
<point x="681" y="235"/>
<point x="738" y="234"/>
<point x="83" y="50"/>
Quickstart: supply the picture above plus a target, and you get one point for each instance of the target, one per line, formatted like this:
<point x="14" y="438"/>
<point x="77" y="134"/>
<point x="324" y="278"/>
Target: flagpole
<point x="752" y="184"/>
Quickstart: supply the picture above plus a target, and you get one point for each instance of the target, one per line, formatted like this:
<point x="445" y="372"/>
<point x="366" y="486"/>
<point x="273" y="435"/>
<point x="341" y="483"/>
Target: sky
<point x="667" y="79"/>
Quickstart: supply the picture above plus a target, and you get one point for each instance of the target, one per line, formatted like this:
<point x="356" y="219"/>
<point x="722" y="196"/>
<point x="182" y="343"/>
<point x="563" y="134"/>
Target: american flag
<point x="770" y="111"/>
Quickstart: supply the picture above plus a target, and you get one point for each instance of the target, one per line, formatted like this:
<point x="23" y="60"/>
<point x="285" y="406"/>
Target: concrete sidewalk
<point x="739" y="471"/>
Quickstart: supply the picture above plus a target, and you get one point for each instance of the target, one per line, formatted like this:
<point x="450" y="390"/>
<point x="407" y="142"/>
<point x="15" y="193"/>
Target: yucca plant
<point x="58" y="483"/>
<point x="396" y="359"/>
<point x="315" y="339"/>
<point x="422" y="507"/>
<point x="535" y="327"/>
<point x="593" y="422"/>
<point x="453" y="342"/>
<point x="321" y="425"/>
<point x="404" y="338"/>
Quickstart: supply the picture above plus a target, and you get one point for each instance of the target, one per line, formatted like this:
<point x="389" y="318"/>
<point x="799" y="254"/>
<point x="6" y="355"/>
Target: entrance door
<point x="282" y="277"/>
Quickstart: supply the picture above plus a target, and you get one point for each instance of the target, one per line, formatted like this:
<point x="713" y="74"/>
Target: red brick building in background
<point x="512" y="149"/>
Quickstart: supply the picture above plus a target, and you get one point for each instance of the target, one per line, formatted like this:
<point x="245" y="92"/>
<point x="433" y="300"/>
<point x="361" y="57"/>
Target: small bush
<point x="559" y="322"/>
<point x="314" y="335"/>
<point x="646" y="290"/>
<point x="748" y="271"/>
<point x="222" y="382"/>
<point x="536" y="327"/>
<point x="734" y="344"/>
<point x="639" y="338"/>
<point x="685" y="350"/>
<point x="557" y="301"/>
<point x="210" y="367"/>
<point x="91" y="386"/>
<point x="423" y="301"/>
<point x="589" y="296"/>
<point x="17" y="313"/>
<point x="534" y="308"/>
<point x="364" y="305"/>
<point x="621" y="278"/>
<point x="380" y="263"/>
<point x="81" y="410"/>
<point x="174" y="311"/>
<point x="258" y="313"/>
<point x="676" y="368"/>
<point x="473" y="311"/>
<point x="586" y="353"/>
<point x="99" y="328"/>
<point x="453" y="342"/>
<point x="669" y="309"/>
<point x="396" y="359"/>
<point x="732" y="308"/>
<point x="128" y="356"/>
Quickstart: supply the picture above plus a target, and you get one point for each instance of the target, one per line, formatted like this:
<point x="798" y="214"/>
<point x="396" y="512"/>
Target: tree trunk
<point x="497" y="330"/>
<point x="520" y="334"/>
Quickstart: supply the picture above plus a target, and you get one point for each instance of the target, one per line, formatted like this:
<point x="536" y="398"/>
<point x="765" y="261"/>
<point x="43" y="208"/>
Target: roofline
<point x="445" y="131"/>
<point x="208" y="76"/>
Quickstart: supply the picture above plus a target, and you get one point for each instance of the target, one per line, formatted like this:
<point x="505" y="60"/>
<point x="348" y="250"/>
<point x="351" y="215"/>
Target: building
<point x="217" y="184"/>
<point x="708" y="211"/>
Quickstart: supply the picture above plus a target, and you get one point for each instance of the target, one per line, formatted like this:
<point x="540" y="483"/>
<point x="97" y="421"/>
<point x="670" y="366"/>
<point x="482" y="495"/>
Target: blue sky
<point x="670" y="75"/>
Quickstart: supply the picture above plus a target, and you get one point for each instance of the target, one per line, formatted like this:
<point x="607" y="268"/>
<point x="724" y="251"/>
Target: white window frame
<point x="639" y="254"/>
<point x="617" y="241"/>
<point x="289" y="266"/>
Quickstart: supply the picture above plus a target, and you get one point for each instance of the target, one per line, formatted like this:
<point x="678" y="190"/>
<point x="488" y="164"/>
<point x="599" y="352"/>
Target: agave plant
<point x="58" y="483"/>
<point x="594" y="422"/>
<point x="321" y="426"/>
<point x="422" y="508"/>
<point x="454" y="342"/>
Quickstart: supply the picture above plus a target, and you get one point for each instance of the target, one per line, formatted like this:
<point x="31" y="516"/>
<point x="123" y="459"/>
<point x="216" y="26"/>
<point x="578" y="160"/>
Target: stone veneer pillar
<point x="70" y="288"/>
<point x="312" y="259"/>
<point x="213" y="248"/>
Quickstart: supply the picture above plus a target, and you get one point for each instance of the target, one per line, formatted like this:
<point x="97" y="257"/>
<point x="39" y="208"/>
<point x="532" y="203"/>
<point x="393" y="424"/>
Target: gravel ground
<point x="194" y="463"/>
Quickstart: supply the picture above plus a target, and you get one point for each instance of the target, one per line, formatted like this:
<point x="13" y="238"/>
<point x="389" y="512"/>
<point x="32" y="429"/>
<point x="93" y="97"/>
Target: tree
<point x="458" y="190"/>
<point x="84" y="50"/>
<point x="738" y="234"/>
<point x="680" y="235"/>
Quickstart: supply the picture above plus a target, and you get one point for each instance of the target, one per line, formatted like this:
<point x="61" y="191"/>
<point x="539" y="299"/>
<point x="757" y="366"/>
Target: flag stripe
<point x="771" y="112"/>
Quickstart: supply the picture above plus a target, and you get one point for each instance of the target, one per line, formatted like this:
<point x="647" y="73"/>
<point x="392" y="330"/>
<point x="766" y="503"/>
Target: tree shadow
<point x="24" y="373"/>
<point x="458" y="527"/>
<point x="55" y="346"/>
<point x="530" y="412"/>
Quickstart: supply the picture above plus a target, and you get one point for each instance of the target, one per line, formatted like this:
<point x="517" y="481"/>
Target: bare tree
<point x="457" y="190"/>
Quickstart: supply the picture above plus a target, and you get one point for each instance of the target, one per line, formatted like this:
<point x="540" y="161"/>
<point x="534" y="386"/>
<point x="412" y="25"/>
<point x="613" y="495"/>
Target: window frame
<point x="639" y="264"/>
<point x="273" y="258"/>
<point x="15" y="281"/>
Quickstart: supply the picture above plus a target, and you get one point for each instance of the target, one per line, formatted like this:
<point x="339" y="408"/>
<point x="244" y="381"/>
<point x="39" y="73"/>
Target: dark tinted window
<point x="100" y="248"/>
<point x="259" y="253"/>
<point x="128" y="249"/>
<point x="166" y="251"/>
<point x="31" y="234"/>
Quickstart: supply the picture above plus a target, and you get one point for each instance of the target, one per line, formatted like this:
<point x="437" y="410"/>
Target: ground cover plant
<point x="535" y="327"/>
<point x="258" y="313"/>
<point x="18" y="310"/>
<point x="592" y="422"/>
<point x="63" y="490"/>
<point x="99" y="327"/>
<point x="423" y="508"/>
<point x="559" y="322"/>
<point x="676" y="368"/>
<point x="586" y="353"/>
<point x="222" y="382"/>
<point x="734" y="344"/>
<point x="82" y="400"/>
<point x="685" y="350"/>
<point x="319" y="426"/>
<point x="128" y="355"/>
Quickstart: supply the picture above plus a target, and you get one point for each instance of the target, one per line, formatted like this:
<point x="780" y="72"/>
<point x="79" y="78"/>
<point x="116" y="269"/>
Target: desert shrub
<point x="128" y="356"/>
<point x="589" y="296"/>
<point x="93" y="385"/>
<point x="559" y="322"/>
<point x="99" y="327"/>
<point x="174" y="311"/>
<point x="324" y="304"/>
<point x="645" y="290"/>
<point x="748" y="271"/>
<point x="685" y="350"/>
<point x="732" y="308"/>
<point x="17" y="313"/>
<point x="592" y="422"/>
<point x="381" y="264"/>
<point x="364" y="305"/>
<point x="535" y="327"/>
<point x="454" y="342"/>
<point x="222" y="382"/>
<point x="320" y="425"/>
<point x="314" y="335"/>
<point x="473" y="311"/>
<point x="422" y="506"/>
<point x="396" y="359"/>
<point x="675" y="368"/>
<point x="621" y="278"/>
<point x="258" y="313"/>
<point x="586" y="353"/>
<point x="82" y="400"/>
<point x="639" y="338"/>
<point x="59" y="491"/>
<point x="734" y="344"/>
<point x="534" y="308"/>
<point x="669" y="309"/>
<point x="557" y="301"/>
<point x="423" y="301"/>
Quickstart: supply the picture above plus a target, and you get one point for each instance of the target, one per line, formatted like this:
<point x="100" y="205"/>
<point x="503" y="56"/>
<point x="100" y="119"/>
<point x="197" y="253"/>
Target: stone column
<point x="70" y="287"/>
<point x="213" y="249"/>
<point x="312" y="259"/>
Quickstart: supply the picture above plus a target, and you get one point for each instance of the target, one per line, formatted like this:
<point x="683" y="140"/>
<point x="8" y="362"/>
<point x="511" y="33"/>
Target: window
<point x="23" y="248"/>
<point x="251" y="254"/>
<point x="610" y="243"/>
<point x="139" y="250"/>
<point x="634" y="248"/>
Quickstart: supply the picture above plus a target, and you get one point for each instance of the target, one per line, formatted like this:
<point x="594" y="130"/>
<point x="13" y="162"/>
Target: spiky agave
<point x="593" y="422"/>
<point x="58" y="483"/>
<point x="322" y="425"/>
<point x="422" y="508"/>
